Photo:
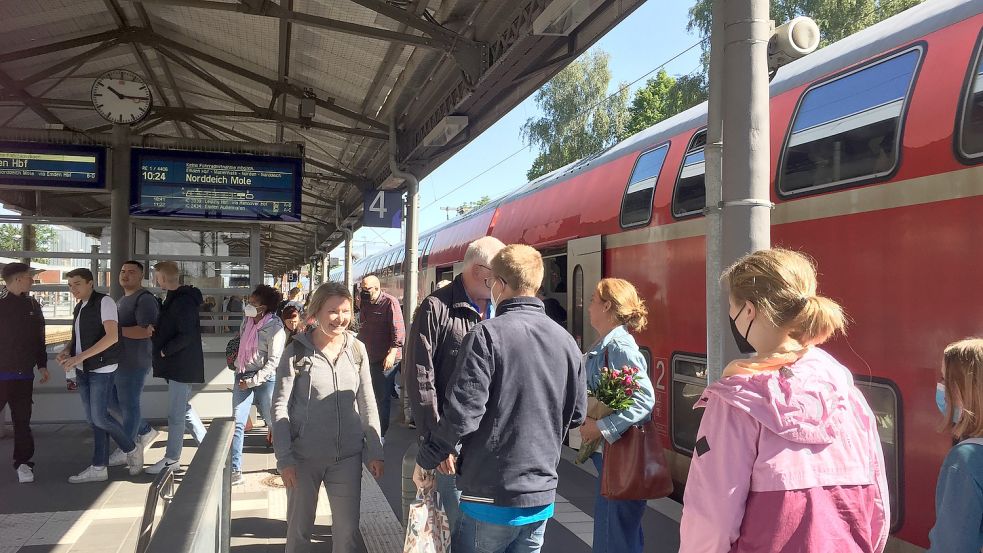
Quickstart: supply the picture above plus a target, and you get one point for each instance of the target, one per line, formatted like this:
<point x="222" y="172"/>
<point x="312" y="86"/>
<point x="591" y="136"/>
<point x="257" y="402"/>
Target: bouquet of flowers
<point x="615" y="391"/>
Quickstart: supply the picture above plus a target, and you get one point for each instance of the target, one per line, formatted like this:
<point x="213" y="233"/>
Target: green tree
<point x="579" y="118"/>
<point x="468" y="207"/>
<point x="10" y="237"/>
<point x="662" y="97"/>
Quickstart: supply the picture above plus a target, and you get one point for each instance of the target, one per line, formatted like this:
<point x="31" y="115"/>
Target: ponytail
<point x="818" y="320"/>
<point x="637" y="320"/>
<point x="628" y="308"/>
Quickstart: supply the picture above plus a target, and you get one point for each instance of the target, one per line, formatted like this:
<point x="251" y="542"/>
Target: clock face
<point x="121" y="96"/>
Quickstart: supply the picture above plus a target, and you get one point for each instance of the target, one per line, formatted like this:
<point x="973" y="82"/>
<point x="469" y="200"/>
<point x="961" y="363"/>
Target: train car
<point x="876" y="146"/>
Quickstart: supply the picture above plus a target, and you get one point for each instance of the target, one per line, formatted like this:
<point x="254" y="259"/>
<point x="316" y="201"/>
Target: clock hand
<point x="113" y="90"/>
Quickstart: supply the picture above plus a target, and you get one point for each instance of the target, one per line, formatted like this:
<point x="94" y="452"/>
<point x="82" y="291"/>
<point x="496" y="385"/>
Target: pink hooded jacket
<point x="786" y="461"/>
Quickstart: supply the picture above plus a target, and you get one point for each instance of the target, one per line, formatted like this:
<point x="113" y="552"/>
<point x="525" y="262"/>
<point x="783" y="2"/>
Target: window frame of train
<point x="966" y="108"/>
<point x="867" y="385"/>
<point x="686" y="448"/>
<point x="897" y="123"/>
<point x="646" y="186"/>
<point x="691" y="149"/>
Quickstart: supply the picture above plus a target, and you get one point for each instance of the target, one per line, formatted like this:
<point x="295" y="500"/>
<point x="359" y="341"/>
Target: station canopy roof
<point x="443" y="70"/>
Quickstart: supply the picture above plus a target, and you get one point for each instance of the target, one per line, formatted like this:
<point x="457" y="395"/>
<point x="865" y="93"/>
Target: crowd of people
<point x="787" y="458"/>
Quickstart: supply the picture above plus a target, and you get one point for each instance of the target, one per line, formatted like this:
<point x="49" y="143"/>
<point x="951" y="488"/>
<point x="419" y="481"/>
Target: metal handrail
<point x="161" y="488"/>
<point x="200" y="515"/>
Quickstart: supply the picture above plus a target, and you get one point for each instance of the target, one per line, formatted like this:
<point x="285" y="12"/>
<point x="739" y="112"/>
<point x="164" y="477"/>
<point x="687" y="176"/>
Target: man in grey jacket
<point x="517" y="387"/>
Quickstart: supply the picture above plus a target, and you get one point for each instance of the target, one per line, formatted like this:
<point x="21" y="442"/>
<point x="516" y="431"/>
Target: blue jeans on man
<point x="617" y="522"/>
<point x="181" y="417"/>
<point x="475" y="536"/>
<point x="383" y="385"/>
<point x="242" y="402"/>
<point x="95" y="389"/>
<point x="124" y="404"/>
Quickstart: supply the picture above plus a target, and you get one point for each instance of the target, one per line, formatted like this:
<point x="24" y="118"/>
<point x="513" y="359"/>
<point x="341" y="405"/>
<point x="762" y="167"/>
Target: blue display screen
<point x="46" y="166"/>
<point x="204" y="185"/>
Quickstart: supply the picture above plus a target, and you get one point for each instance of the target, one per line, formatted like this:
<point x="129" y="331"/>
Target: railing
<point x="162" y="488"/>
<point x="199" y="517"/>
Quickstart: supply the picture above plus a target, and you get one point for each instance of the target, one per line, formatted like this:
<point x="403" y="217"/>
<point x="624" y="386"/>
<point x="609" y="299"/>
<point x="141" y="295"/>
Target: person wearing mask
<point x="261" y="342"/>
<point x="517" y="386"/>
<point x="787" y="440"/>
<point x="93" y="353"/>
<point x="439" y="326"/>
<point x="381" y="330"/>
<point x="22" y="340"/>
<point x="292" y="322"/>
<point x="615" y="309"/>
<point x="138" y="310"/>
<point x="178" y="359"/>
<point x="325" y="422"/>
<point x="959" y="492"/>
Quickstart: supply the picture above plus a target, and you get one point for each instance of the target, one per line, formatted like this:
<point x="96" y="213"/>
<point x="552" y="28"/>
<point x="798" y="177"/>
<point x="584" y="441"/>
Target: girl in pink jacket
<point x="787" y="458"/>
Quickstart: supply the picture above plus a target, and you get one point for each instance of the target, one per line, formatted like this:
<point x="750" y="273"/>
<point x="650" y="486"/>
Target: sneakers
<point x="237" y="478"/>
<point x="25" y="474"/>
<point x="146" y="440"/>
<point x="160" y="465"/>
<point x="91" y="474"/>
<point x="134" y="460"/>
<point x="118" y="458"/>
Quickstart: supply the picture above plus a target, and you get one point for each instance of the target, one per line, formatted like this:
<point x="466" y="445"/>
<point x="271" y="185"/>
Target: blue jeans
<point x="383" y="385"/>
<point x="95" y="389"/>
<point x="450" y="497"/>
<point x="617" y="523"/>
<point x="474" y="536"/>
<point x="181" y="416"/>
<point x="124" y="404"/>
<point x="242" y="401"/>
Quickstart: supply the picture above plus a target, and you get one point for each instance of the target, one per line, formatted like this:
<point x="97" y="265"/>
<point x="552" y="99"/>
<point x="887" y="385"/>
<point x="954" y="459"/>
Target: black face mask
<point x="743" y="345"/>
<point x="365" y="295"/>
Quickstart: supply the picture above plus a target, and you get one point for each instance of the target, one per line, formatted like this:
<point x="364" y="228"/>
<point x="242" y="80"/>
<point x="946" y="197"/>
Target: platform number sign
<point x="383" y="208"/>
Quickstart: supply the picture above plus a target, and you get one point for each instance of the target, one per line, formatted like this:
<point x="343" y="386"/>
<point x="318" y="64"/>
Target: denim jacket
<point x="622" y="350"/>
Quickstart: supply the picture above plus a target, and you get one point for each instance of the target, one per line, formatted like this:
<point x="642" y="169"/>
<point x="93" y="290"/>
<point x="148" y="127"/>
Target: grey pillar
<point x="120" y="210"/>
<point x="716" y="296"/>
<point x="27" y="241"/>
<point x="412" y="237"/>
<point x="94" y="265"/>
<point x="348" y="257"/>
<point x="255" y="256"/>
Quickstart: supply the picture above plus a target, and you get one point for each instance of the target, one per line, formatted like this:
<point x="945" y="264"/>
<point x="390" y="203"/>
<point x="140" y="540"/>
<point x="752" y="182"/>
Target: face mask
<point x="940" y="402"/>
<point x="249" y="310"/>
<point x="491" y="292"/>
<point x="743" y="345"/>
<point x="365" y="295"/>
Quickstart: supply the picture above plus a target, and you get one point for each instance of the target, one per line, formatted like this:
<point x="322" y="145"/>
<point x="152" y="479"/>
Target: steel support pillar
<point x="348" y="256"/>
<point x="27" y="240"/>
<point x="412" y="230"/>
<point x="716" y="296"/>
<point x="119" y="213"/>
<point x="255" y="256"/>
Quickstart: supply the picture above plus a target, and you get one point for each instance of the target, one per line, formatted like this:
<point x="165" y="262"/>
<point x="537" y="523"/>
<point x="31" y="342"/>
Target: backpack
<point x="231" y="352"/>
<point x="160" y="304"/>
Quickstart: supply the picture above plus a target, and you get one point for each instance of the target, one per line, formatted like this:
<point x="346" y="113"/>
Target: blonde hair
<point x="169" y="269"/>
<point x="626" y="305"/>
<point x="781" y="284"/>
<point x="325" y="292"/>
<point x="520" y="266"/>
<point x="963" y="361"/>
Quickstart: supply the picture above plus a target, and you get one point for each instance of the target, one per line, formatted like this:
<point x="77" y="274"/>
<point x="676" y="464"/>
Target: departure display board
<point x="52" y="166"/>
<point x="205" y="185"/>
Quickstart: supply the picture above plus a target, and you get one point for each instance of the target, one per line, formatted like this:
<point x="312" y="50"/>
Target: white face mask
<point x="491" y="292"/>
<point x="249" y="310"/>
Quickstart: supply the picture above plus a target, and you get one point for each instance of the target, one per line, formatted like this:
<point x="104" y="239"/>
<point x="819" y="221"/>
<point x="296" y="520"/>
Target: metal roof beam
<point x="270" y="115"/>
<point x="205" y="76"/>
<point x="164" y="64"/>
<point x="62" y="65"/>
<point x="201" y="129"/>
<point x="283" y="64"/>
<point x="37" y="107"/>
<point x="62" y="45"/>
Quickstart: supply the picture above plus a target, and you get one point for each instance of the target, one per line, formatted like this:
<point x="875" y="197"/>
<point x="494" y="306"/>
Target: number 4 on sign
<point x="378" y="205"/>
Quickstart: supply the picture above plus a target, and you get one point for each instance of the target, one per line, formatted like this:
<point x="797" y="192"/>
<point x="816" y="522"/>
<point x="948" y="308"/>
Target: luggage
<point x="635" y="466"/>
<point x="427" y="527"/>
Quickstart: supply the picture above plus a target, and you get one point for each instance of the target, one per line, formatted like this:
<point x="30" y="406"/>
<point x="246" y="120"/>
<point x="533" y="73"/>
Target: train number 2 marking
<point x="660" y="367"/>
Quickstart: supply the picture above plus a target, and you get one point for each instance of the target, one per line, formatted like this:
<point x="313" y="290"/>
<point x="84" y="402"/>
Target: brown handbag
<point x="635" y="465"/>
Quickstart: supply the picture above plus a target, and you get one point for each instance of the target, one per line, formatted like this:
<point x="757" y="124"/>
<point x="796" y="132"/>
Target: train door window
<point x="689" y="379"/>
<point x="690" y="196"/>
<point x="578" y="306"/>
<point x="848" y="130"/>
<point x="636" y="207"/>
<point x="970" y="135"/>
<point x="883" y="400"/>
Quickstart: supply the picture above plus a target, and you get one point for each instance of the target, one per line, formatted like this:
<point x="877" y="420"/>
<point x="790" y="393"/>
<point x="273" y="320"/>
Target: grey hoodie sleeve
<point x="367" y="408"/>
<point x="282" y="436"/>
<point x="274" y="350"/>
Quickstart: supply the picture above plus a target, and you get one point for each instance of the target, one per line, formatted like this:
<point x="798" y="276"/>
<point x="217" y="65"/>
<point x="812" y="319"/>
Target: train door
<point x="584" y="271"/>
<point x="428" y="281"/>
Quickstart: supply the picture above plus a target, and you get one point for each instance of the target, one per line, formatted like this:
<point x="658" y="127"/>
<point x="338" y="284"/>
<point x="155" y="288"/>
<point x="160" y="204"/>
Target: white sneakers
<point x="118" y="458"/>
<point x="25" y="474"/>
<point x="134" y="460"/>
<point x="146" y="440"/>
<point x="91" y="474"/>
<point x="160" y="465"/>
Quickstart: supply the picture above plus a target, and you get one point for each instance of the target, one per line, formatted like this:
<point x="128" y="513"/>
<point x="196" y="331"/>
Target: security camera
<point x="791" y="41"/>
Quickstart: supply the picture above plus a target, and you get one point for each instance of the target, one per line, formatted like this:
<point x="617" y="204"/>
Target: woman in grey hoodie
<point x="325" y="422"/>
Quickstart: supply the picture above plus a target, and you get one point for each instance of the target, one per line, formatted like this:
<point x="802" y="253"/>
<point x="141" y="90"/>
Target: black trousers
<point x="18" y="394"/>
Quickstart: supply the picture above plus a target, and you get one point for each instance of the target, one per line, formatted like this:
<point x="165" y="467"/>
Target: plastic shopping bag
<point x="427" y="527"/>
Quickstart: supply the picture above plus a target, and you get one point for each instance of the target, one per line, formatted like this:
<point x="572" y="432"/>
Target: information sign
<point x="168" y="183"/>
<point x="383" y="208"/>
<point x="50" y="166"/>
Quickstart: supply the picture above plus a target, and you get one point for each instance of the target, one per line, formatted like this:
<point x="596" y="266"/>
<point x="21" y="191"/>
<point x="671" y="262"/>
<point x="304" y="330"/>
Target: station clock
<point x="121" y="96"/>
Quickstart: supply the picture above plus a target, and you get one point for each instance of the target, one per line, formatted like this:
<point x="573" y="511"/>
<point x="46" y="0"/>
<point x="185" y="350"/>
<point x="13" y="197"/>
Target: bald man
<point x="381" y="330"/>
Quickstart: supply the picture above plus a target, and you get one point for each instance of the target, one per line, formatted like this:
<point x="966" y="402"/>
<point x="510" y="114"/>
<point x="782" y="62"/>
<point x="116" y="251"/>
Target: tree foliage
<point x="10" y="237"/>
<point x="662" y="97"/>
<point x="468" y="207"/>
<point x="579" y="119"/>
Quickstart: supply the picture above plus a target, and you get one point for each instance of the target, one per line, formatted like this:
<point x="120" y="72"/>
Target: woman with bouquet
<point x="616" y="309"/>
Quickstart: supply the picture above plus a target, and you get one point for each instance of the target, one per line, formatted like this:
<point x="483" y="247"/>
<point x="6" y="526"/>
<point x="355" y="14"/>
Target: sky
<point x="646" y="39"/>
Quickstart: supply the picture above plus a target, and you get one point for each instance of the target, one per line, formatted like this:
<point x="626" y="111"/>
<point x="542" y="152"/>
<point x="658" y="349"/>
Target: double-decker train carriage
<point x="876" y="145"/>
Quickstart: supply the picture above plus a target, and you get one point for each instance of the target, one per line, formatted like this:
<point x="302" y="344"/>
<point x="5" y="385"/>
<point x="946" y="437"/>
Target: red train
<point x="877" y="145"/>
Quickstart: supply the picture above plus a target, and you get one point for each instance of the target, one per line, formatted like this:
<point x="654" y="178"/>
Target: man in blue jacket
<point x="517" y="387"/>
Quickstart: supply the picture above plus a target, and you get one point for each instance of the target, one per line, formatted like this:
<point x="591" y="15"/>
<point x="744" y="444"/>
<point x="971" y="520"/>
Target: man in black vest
<point x="22" y="344"/>
<point x="93" y="353"/>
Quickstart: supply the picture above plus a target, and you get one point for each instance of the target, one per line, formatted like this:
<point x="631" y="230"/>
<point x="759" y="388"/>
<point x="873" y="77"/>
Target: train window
<point x="689" y="379"/>
<point x="970" y="136"/>
<point x="578" y="306"/>
<point x="883" y="401"/>
<point x="848" y="130"/>
<point x="636" y="207"/>
<point x="690" y="196"/>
